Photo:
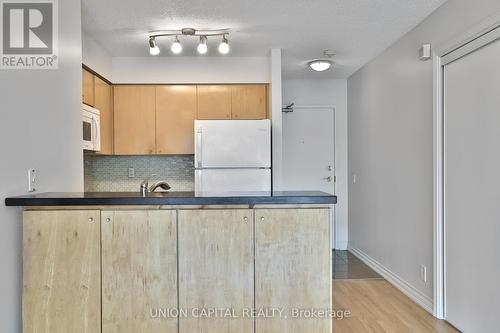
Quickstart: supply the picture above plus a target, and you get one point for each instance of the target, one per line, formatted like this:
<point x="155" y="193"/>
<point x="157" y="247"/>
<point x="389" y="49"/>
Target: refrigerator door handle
<point x="197" y="182"/>
<point x="198" y="147"/>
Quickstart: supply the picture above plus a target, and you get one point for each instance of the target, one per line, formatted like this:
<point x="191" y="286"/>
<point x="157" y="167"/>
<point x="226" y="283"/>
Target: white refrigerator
<point x="232" y="156"/>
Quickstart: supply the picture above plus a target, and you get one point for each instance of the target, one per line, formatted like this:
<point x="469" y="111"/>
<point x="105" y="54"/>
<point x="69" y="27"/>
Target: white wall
<point x="328" y="92"/>
<point x="96" y="57"/>
<point x="40" y="128"/>
<point x="390" y="147"/>
<point x="190" y="70"/>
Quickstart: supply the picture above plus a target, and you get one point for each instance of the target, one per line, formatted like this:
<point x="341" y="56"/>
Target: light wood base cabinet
<point x="139" y="271"/>
<point x="292" y="268"/>
<point x="216" y="269"/>
<point x="61" y="272"/>
<point x="141" y="263"/>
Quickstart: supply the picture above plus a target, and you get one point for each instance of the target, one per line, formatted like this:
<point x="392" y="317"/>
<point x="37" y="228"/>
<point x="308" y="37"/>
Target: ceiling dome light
<point x="224" y="46"/>
<point x="320" y="65"/>
<point x="153" y="48"/>
<point x="176" y="47"/>
<point x="202" y="47"/>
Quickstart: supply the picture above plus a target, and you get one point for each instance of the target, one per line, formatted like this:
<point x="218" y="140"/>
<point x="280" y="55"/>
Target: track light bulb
<point x="176" y="47"/>
<point x="202" y="47"/>
<point x="153" y="47"/>
<point x="224" y="46"/>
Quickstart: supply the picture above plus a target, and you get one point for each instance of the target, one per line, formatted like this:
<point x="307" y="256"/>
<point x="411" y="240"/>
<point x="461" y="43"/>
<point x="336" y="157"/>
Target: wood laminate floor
<point x="377" y="306"/>
<point x="374" y="304"/>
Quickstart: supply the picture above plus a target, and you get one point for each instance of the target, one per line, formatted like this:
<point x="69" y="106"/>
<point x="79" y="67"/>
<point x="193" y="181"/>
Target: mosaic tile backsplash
<point x="110" y="173"/>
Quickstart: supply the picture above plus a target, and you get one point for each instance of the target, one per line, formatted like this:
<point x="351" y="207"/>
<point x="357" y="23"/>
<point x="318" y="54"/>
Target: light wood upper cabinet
<point x="139" y="271"/>
<point x="175" y="115"/>
<point x="134" y="120"/>
<point x="216" y="268"/>
<point x="87" y="87"/>
<point x="249" y="101"/>
<point x="292" y="267"/>
<point x="214" y="102"/>
<point x="103" y="98"/>
<point x="61" y="271"/>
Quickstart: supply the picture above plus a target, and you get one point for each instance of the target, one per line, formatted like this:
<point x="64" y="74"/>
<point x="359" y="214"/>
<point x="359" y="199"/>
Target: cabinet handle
<point x="108" y="220"/>
<point x="91" y="219"/>
<point x="262" y="218"/>
<point x="245" y="219"/>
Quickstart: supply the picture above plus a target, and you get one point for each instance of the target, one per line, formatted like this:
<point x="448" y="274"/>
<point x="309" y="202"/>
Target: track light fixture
<point x="153" y="48"/>
<point x="224" y="45"/>
<point x="176" y="47"/>
<point x="202" y="47"/>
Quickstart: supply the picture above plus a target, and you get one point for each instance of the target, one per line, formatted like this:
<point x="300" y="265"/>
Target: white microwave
<point x="91" y="128"/>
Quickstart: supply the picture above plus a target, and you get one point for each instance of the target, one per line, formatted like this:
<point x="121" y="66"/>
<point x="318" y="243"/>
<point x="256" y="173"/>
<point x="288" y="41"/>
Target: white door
<point x="232" y="143"/>
<point x="309" y="152"/>
<point x="472" y="190"/>
<point x="217" y="181"/>
<point x="309" y="149"/>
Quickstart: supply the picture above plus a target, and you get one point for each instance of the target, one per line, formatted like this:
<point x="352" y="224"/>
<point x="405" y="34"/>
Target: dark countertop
<point x="172" y="198"/>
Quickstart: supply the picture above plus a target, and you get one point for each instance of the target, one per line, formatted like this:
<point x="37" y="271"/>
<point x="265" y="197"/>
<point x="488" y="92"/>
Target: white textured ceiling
<point x="357" y="30"/>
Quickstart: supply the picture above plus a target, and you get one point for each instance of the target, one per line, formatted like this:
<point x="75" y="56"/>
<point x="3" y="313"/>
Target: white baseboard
<point x="416" y="295"/>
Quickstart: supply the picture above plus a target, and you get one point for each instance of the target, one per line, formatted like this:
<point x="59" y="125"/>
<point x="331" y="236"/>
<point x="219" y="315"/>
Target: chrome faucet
<point x="145" y="188"/>
<point x="160" y="184"/>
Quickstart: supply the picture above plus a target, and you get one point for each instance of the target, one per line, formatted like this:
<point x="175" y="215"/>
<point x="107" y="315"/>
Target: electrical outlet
<point x="131" y="172"/>
<point x="31" y="180"/>
<point x="423" y="273"/>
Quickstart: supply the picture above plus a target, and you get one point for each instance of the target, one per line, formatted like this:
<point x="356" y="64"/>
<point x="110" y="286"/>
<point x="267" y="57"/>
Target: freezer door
<point x="232" y="143"/>
<point x="232" y="180"/>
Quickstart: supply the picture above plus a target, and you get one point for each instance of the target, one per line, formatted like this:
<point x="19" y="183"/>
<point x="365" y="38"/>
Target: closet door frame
<point x="471" y="40"/>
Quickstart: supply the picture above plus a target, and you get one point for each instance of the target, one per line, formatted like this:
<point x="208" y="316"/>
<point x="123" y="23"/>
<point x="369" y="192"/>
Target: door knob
<point x="328" y="179"/>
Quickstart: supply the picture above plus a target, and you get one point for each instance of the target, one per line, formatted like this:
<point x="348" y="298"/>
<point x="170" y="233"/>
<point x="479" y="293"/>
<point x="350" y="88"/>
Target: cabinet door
<point x="139" y="271"/>
<point x="134" y="120"/>
<point x="103" y="99"/>
<point x="175" y="115"/>
<point x="61" y="272"/>
<point x="214" y="102"/>
<point x="292" y="267"/>
<point x="216" y="268"/>
<point x="249" y="101"/>
<point x="87" y="87"/>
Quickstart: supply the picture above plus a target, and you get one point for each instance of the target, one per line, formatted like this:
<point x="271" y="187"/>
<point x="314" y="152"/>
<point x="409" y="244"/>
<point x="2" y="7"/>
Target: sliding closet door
<point x="472" y="190"/>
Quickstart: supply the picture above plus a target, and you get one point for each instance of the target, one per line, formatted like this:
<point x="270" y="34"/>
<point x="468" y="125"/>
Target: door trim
<point x="479" y="36"/>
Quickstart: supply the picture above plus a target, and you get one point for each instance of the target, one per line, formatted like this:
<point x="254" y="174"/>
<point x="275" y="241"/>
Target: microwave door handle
<point x="199" y="141"/>
<point x="95" y="128"/>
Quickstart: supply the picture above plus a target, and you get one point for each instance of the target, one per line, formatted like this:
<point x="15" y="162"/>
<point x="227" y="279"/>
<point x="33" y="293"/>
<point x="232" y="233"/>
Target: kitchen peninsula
<point x="111" y="262"/>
